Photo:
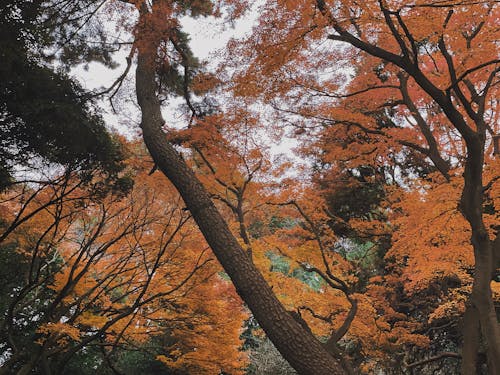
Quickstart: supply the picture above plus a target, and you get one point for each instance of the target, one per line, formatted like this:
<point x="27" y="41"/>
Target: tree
<point x="419" y="99"/>
<point x="45" y="113"/>
<point x="297" y="345"/>
<point x="108" y="274"/>
<point x="429" y="90"/>
<point x="462" y="97"/>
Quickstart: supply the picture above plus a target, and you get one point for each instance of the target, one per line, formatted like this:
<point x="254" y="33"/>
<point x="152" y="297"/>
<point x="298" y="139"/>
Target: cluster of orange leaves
<point x="132" y="268"/>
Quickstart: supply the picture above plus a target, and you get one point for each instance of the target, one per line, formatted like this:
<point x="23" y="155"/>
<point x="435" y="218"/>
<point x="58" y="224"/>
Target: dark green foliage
<point x="175" y="75"/>
<point x="141" y="361"/>
<point x="196" y="8"/>
<point x="250" y="341"/>
<point x="19" y="319"/>
<point x="43" y="112"/>
<point x="278" y="222"/>
<point x="310" y="278"/>
<point x="13" y="268"/>
<point x="258" y="228"/>
<point x="357" y="195"/>
<point x="280" y="263"/>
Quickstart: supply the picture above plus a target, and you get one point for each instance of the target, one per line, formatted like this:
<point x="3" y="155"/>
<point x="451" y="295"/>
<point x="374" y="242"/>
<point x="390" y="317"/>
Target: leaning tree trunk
<point x="298" y="346"/>
<point x="480" y="310"/>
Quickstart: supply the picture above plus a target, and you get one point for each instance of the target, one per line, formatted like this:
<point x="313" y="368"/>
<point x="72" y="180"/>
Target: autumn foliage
<point x="377" y="236"/>
<point x="114" y="271"/>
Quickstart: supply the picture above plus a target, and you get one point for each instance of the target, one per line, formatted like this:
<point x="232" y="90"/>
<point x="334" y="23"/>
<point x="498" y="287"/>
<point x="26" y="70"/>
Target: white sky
<point x="208" y="38"/>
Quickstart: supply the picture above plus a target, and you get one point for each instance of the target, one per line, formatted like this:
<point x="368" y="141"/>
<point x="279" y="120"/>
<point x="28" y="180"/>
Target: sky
<point x="208" y="38"/>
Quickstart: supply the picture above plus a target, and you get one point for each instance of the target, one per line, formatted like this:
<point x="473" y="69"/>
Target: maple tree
<point x="349" y="264"/>
<point x="112" y="271"/>
<point x="424" y="86"/>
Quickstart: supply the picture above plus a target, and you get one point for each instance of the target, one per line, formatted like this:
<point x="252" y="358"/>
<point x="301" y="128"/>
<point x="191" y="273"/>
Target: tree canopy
<point x="375" y="249"/>
<point x="45" y="112"/>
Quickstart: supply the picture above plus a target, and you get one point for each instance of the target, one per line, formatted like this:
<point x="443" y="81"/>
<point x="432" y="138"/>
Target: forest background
<point x="198" y="250"/>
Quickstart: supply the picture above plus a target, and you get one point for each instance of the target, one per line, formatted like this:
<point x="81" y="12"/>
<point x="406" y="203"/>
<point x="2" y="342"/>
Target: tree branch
<point x="433" y="359"/>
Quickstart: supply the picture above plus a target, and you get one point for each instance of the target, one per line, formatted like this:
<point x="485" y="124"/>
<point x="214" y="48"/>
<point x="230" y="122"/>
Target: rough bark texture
<point x="471" y="205"/>
<point x="480" y="300"/>
<point x="299" y="347"/>
<point x="470" y="348"/>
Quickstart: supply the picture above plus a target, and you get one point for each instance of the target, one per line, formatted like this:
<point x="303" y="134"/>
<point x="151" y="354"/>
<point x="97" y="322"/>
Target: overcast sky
<point x="208" y="37"/>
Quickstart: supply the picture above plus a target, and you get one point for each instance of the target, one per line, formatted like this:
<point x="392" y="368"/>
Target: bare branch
<point x="433" y="359"/>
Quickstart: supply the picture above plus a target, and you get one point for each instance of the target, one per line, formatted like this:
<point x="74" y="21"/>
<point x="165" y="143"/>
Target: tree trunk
<point x="299" y="347"/>
<point x="471" y="332"/>
<point x="480" y="302"/>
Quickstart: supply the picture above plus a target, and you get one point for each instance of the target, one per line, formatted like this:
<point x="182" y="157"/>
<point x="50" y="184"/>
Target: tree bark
<point x="471" y="204"/>
<point x="299" y="347"/>
<point x="480" y="301"/>
<point x="470" y="348"/>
